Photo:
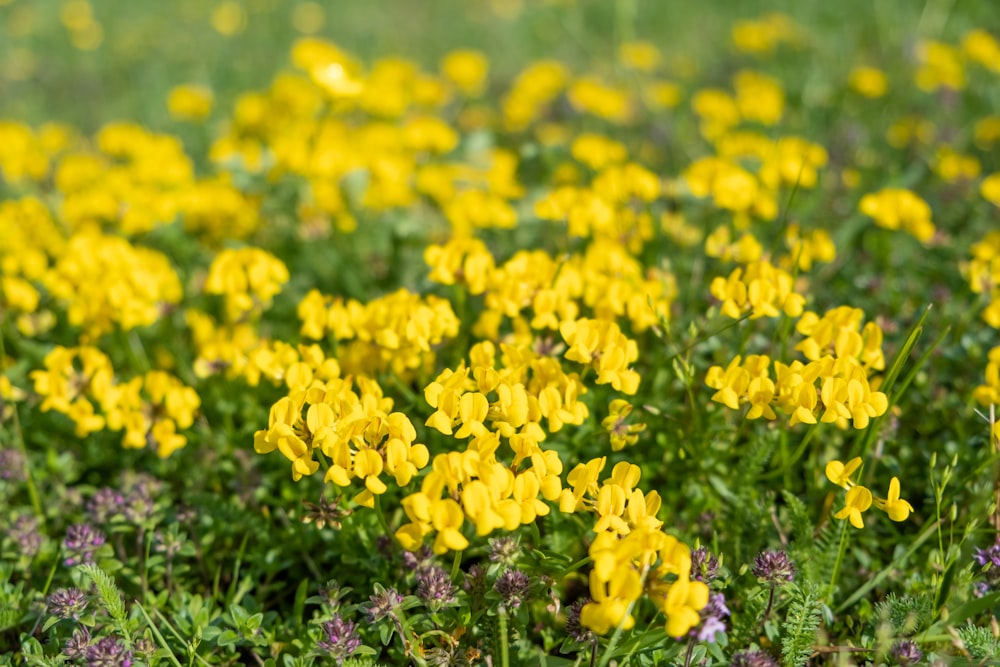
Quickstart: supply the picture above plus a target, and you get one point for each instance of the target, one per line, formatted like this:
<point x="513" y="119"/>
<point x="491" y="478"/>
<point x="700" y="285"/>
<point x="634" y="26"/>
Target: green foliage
<point x="802" y="621"/>
<point x="979" y="641"/>
<point x="111" y="598"/>
<point x="908" y="614"/>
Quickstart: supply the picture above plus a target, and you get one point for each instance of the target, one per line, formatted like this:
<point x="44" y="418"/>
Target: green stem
<point x="504" y="649"/>
<point x="840" y="557"/>
<point x="796" y="455"/>
<point x="409" y="639"/>
<point x="159" y="638"/>
<point x="381" y="516"/>
<point x="36" y="503"/>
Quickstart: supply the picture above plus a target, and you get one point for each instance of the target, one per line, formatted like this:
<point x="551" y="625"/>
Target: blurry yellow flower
<point x="868" y="81"/>
<point x="308" y="17"/>
<point x="762" y="36"/>
<point x="895" y="208"/>
<point x="467" y="69"/>
<point x="189" y="102"/>
<point x="990" y="189"/>
<point x="229" y="18"/>
<point x="940" y="67"/>
<point x="981" y="47"/>
<point x="642" y="56"/>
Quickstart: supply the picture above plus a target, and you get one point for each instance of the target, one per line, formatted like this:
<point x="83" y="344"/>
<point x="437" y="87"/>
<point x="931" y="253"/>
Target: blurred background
<point x="91" y="61"/>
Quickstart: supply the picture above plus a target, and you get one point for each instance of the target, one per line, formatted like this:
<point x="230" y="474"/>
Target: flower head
<point x="434" y="587"/>
<point x="858" y="500"/>
<point x="81" y="541"/>
<point x="905" y="653"/>
<point x="840" y="473"/>
<point x="897" y="508"/>
<point x="108" y="652"/>
<point x="773" y="567"/>
<point x="753" y="658"/>
<point x="340" y="638"/>
<point x="512" y="586"/>
<point x="68" y="603"/>
<point x="384" y="602"/>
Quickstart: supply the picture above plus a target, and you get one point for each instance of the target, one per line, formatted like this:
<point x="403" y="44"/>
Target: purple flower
<point x="503" y="550"/>
<point x="753" y="658"/>
<point x="81" y="541"/>
<point x="773" y="567"/>
<point x="108" y="652"/>
<point x="574" y="628"/>
<point x="68" y="603"/>
<point x="906" y="653"/>
<point x="704" y="565"/>
<point x="512" y="586"/>
<point x="384" y="603"/>
<point x="105" y="504"/>
<point x="434" y="586"/>
<point x="340" y="638"/>
<point x="77" y="645"/>
<point x="988" y="558"/>
<point x="415" y="561"/>
<point x="475" y="581"/>
<point x="712" y="616"/>
<point x="11" y="465"/>
<point x="25" y="533"/>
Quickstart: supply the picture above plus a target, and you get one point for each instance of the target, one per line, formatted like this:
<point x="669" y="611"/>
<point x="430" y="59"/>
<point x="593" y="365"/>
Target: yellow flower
<point x="897" y="508"/>
<point x="684" y="600"/>
<point x="467" y="70"/>
<point x="868" y="81"/>
<point x="859" y="499"/>
<point x="189" y="102"/>
<point x="840" y="473"/>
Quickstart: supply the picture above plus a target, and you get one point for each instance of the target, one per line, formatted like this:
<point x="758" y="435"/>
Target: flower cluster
<point x="354" y="431"/>
<point x="893" y="208"/>
<point x="632" y="555"/>
<point x="983" y="274"/>
<point x="760" y="289"/>
<point x="833" y="387"/>
<point x="397" y="331"/>
<point x="150" y="409"/>
<point x="859" y="498"/>
<point x="249" y="278"/>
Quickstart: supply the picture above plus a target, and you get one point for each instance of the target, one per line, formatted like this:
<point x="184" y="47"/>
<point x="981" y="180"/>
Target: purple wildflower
<point x="340" y="638"/>
<point x="773" y="567"/>
<point x="512" y="586"/>
<point x="905" y="653"/>
<point x="77" y="645"/>
<point x="384" y="603"/>
<point x="68" y="603"/>
<point x="434" y="586"/>
<point x="81" y="541"/>
<point x="503" y="550"/>
<point x="105" y="504"/>
<point x="574" y="628"/>
<point x="108" y="652"/>
<point x="11" y="465"/>
<point x="712" y="616"/>
<point x="753" y="658"/>
<point x="24" y="532"/>
<point x="704" y="565"/>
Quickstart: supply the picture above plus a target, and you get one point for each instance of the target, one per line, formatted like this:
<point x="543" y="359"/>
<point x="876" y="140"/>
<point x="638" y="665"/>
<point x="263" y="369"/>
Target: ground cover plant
<point x="506" y="333"/>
